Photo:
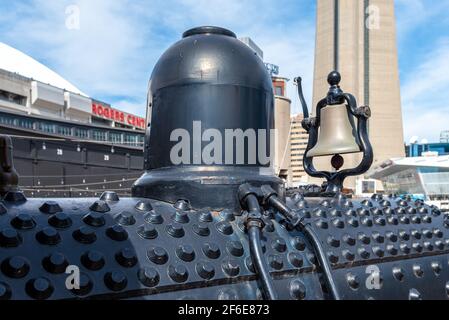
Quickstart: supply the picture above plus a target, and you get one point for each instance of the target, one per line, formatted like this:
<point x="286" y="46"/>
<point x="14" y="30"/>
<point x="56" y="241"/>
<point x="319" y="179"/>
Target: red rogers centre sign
<point x="105" y="112"/>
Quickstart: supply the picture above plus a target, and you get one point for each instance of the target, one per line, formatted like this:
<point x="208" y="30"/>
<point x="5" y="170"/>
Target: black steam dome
<point x="209" y="80"/>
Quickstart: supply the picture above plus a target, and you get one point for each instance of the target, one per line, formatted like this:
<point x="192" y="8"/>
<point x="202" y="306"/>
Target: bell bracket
<point x="336" y="96"/>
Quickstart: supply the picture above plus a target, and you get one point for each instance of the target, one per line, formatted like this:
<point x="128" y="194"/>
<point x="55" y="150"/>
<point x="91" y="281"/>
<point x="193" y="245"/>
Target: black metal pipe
<point x="271" y="199"/>
<point x="254" y="225"/>
<point x="255" y="247"/>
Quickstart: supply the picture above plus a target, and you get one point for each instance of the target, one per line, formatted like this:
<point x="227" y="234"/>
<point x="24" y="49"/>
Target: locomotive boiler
<point x="208" y="219"/>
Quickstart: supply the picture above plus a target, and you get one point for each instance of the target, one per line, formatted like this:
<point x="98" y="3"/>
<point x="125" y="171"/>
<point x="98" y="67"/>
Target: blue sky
<point x="112" y="55"/>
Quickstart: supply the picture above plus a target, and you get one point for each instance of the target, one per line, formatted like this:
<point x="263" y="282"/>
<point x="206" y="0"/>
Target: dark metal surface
<point x="146" y="249"/>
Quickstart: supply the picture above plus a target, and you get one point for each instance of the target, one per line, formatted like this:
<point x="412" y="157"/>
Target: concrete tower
<point x="358" y="38"/>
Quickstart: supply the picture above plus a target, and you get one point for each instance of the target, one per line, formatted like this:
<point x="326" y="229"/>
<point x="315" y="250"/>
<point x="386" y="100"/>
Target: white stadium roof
<point x="18" y="62"/>
<point x="395" y="165"/>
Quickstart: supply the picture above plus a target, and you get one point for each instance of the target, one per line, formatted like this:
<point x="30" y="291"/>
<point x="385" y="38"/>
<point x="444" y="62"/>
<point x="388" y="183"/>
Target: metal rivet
<point x="149" y="277"/>
<point x="417" y="247"/>
<point x="418" y="271"/>
<point x="85" y="285"/>
<point x="295" y="259"/>
<point x="378" y="251"/>
<point x="353" y="281"/>
<point x="353" y="222"/>
<point x="126" y="257"/>
<point x="211" y="250"/>
<point x="297" y="290"/>
<point x="205" y="270"/>
<point x="322" y="224"/>
<point x="436" y="267"/>
<point x="39" y="289"/>
<point x="157" y="255"/>
<point x="350" y="240"/>
<point x="414" y="295"/>
<point x="275" y="261"/>
<point x="55" y="263"/>
<point x="144" y="206"/>
<point x="338" y="223"/>
<point x="9" y="238"/>
<point x="147" y="231"/>
<point x="398" y="273"/>
<point x="298" y="243"/>
<point x="235" y="248"/>
<point x="117" y="233"/>
<point x="364" y="238"/>
<point x="350" y="213"/>
<point x="15" y="267"/>
<point x="391" y="236"/>
<point x="185" y="252"/>
<point x="348" y="255"/>
<point x="227" y="215"/>
<point x="366" y="222"/>
<point x="15" y="196"/>
<point x="201" y="229"/>
<point x="416" y="234"/>
<point x="125" y="218"/>
<point x="109" y="196"/>
<point x="205" y="216"/>
<point x="404" y="248"/>
<point x="100" y="206"/>
<point x="85" y="235"/>
<point x="333" y="258"/>
<point x="378" y="237"/>
<point x="279" y="245"/>
<point x="391" y="249"/>
<point x="180" y="217"/>
<point x="175" y="230"/>
<point x="404" y="235"/>
<point x="153" y="217"/>
<point x="94" y="219"/>
<point x="230" y="267"/>
<point x="60" y="220"/>
<point x="225" y="228"/>
<point x="48" y="236"/>
<point x="93" y="260"/>
<point x="5" y="291"/>
<point x="50" y="207"/>
<point x="363" y="253"/>
<point x="182" y="204"/>
<point x="115" y="280"/>
<point x="333" y="242"/>
<point x="178" y="273"/>
<point x="23" y="221"/>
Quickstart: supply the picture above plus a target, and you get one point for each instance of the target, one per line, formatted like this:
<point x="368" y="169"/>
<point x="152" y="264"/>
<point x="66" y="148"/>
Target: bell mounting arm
<point x="336" y="96"/>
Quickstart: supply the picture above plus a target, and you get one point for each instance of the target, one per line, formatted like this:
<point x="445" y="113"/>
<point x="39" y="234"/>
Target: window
<point x="278" y="91"/>
<point x="65" y="131"/>
<point x="81" y="133"/>
<point x="13" y="98"/>
<point x="368" y="187"/>
<point x="99" y="135"/>
<point x="26" y="123"/>
<point x="115" y="137"/>
<point x="47" y="127"/>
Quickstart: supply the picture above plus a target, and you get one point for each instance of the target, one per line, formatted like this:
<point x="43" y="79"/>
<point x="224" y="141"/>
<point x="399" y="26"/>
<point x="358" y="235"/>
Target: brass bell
<point x="337" y="134"/>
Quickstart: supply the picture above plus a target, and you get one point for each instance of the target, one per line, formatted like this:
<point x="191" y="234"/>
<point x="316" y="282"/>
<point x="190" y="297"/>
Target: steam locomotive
<point x="221" y="228"/>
